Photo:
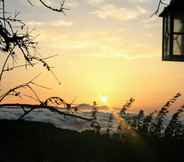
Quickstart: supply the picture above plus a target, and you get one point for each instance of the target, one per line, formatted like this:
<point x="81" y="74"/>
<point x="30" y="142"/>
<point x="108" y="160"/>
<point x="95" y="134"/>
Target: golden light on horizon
<point x="104" y="62"/>
<point x="104" y="99"/>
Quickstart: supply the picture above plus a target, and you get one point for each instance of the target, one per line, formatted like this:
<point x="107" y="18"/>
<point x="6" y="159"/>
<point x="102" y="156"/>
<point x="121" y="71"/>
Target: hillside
<point x="23" y="141"/>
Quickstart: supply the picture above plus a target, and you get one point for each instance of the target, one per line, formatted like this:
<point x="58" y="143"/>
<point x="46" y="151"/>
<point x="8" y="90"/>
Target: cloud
<point x="118" y="13"/>
<point x="38" y="3"/>
<point x="58" y="23"/>
<point x="95" y="2"/>
<point x="71" y="4"/>
<point x="62" y="23"/>
<point x="120" y="43"/>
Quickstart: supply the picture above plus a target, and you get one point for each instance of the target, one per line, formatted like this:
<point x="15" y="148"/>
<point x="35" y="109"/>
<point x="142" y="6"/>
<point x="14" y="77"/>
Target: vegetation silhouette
<point x="139" y="137"/>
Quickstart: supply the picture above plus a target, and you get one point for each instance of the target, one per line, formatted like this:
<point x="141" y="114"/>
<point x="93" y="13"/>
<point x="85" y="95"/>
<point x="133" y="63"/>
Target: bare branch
<point x="60" y="9"/>
<point x="51" y="108"/>
<point x="13" y="40"/>
<point x="14" y="91"/>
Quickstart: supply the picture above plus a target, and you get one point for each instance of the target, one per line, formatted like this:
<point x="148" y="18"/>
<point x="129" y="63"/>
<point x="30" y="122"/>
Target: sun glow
<point x="104" y="99"/>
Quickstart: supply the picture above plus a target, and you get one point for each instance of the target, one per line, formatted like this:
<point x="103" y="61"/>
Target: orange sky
<point x="104" y="48"/>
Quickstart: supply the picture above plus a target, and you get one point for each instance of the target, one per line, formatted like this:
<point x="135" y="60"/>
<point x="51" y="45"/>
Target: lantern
<point x="173" y="31"/>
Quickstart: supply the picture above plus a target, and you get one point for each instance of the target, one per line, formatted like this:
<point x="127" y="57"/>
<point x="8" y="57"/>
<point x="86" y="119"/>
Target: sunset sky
<point x="105" y="48"/>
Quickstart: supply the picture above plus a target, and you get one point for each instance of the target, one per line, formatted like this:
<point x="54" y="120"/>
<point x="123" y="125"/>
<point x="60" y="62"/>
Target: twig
<point x="24" y="85"/>
<point x="51" y="108"/>
<point x="60" y="9"/>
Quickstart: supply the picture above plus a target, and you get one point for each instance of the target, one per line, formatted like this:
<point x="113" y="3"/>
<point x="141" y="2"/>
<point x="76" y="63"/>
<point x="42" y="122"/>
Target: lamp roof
<point x="173" y="6"/>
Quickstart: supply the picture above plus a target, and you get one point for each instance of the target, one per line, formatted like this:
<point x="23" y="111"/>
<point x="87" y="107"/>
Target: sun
<point x="104" y="99"/>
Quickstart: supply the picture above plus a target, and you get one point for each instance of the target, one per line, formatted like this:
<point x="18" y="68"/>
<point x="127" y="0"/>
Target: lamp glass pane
<point x="179" y="22"/>
<point x="178" y="44"/>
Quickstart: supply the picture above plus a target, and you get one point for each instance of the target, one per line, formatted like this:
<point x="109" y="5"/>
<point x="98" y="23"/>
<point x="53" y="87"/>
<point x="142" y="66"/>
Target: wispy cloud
<point x="37" y="3"/>
<point x="72" y="4"/>
<point x="105" y="44"/>
<point x="95" y="2"/>
<point x="111" y="11"/>
<point x="58" y="23"/>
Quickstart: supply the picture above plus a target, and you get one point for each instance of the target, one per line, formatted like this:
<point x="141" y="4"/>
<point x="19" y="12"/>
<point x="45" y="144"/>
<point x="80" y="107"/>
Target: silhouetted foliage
<point x="155" y="124"/>
<point x="34" y="141"/>
<point x="158" y="125"/>
<point x="109" y="126"/>
<point x="140" y="120"/>
<point x="94" y="110"/>
<point x="175" y="126"/>
<point x="125" y="107"/>
<point x="96" y="126"/>
<point x="147" y="123"/>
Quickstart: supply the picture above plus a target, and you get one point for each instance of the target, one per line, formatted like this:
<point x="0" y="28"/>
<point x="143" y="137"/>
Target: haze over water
<point x="105" y="48"/>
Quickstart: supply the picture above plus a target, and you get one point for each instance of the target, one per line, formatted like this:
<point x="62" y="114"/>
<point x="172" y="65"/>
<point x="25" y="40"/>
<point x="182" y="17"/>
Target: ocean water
<point x="68" y="122"/>
<point x="60" y="121"/>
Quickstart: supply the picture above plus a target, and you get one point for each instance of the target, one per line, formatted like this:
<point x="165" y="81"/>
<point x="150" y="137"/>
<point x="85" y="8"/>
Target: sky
<point x="104" y="48"/>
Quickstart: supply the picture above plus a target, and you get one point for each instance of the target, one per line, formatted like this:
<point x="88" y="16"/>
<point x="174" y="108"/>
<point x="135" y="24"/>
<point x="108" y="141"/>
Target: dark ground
<point x="22" y="141"/>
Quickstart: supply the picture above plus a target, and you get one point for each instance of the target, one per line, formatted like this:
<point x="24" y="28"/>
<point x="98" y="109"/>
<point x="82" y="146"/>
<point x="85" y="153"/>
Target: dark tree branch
<point x="60" y="9"/>
<point x="24" y="65"/>
<point x="14" y="91"/>
<point x="51" y="108"/>
<point x="13" y="39"/>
